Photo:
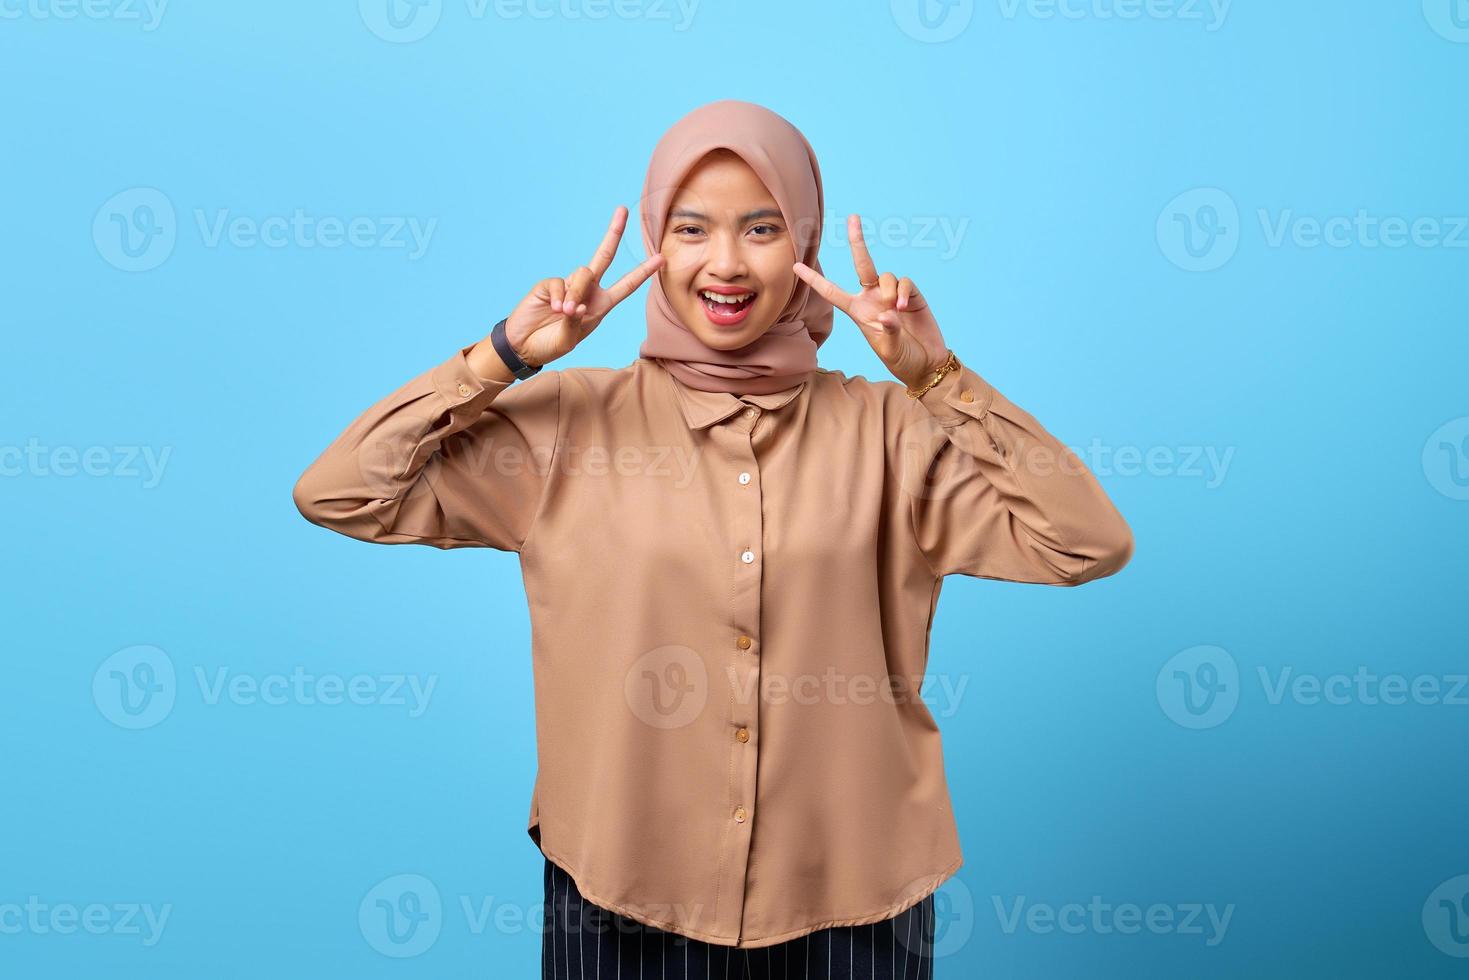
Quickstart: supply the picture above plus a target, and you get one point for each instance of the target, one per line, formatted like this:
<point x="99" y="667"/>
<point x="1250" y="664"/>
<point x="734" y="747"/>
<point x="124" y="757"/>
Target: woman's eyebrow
<point x="699" y="216"/>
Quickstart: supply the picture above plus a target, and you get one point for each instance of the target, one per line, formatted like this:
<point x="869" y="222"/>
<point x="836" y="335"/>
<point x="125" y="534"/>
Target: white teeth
<point x="730" y="300"/>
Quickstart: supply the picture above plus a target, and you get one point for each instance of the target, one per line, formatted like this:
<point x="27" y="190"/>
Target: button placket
<point x="735" y="436"/>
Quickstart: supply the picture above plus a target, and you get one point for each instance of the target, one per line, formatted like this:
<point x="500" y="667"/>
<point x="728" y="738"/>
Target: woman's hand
<point x="892" y="314"/>
<point x="559" y="313"/>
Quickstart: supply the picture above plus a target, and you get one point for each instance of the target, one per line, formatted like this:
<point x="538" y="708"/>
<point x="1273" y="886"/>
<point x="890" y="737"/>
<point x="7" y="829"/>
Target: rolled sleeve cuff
<point x="959" y="396"/>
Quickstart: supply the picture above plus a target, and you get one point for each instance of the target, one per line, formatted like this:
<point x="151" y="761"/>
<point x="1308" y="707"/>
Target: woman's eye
<point x="770" y="230"/>
<point x="689" y="228"/>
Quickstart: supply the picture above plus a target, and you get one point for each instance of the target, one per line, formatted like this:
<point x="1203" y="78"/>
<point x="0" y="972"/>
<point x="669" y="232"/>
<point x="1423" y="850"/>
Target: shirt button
<point x="739" y="814"/>
<point x="743" y="734"/>
<point x="744" y="478"/>
<point x="749" y="413"/>
<point x="747" y="557"/>
<point x="966" y="395"/>
<point x="464" y="389"/>
<point x="744" y="642"/>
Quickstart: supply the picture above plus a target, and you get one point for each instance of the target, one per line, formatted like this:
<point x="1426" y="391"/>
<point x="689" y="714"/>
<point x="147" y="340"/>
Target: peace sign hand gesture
<point x="559" y="313"/>
<point x="892" y="314"/>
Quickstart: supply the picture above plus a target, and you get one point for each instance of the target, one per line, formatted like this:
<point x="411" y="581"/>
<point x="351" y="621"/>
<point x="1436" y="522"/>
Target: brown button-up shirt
<point x="731" y="599"/>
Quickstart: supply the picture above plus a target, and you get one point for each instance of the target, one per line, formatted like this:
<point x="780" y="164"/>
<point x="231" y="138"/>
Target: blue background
<point x="1329" y="536"/>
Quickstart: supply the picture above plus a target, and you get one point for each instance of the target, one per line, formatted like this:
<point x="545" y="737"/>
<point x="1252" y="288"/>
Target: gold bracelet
<point x="945" y="368"/>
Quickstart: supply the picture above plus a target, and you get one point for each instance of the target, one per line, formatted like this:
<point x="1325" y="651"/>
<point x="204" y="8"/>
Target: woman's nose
<point x="724" y="258"/>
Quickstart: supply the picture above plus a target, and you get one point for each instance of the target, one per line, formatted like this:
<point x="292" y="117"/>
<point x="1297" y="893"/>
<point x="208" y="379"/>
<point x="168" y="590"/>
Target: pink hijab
<point x="780" y="155"/>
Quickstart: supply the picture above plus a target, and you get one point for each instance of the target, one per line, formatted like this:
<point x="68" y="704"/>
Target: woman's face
<point x="726" y="236"/>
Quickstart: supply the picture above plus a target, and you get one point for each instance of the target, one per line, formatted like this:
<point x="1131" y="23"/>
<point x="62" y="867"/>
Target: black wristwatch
<point x="512" y="360"/>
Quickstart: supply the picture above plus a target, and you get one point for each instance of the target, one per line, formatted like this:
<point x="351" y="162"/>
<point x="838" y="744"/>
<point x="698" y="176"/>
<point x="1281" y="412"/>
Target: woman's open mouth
<point x="725" y="309"/>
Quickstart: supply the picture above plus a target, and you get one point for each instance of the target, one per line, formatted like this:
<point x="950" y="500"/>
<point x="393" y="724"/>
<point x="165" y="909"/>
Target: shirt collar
<point x="704" y="408"/>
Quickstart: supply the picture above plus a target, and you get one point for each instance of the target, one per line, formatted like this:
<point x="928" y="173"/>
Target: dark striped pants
<point x="582" y="941"/>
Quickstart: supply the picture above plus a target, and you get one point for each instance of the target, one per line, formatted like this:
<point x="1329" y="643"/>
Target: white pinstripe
<point x="924" y="910"/>
<point x="907" y="942"/>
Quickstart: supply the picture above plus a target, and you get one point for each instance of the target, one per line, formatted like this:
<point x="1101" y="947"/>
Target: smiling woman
<point x="730" y="258"/>
<point x="805" y="544"/>
<point x="732" y="203"/>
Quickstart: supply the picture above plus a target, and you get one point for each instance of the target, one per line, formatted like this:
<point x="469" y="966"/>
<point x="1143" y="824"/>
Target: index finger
<point x="628" y="284"/>
<point x="824" y="287"/>
<point x="861" y="259"/>
<point x="606" y="251"/>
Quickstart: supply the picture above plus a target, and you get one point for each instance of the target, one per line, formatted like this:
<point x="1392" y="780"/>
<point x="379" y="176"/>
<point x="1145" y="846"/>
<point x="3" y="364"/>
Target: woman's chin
<point x="728" y="338"/>
<point x="718" y="339"/>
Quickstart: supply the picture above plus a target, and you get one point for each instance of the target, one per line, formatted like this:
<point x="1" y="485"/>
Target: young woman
<point x="732" y="558"/>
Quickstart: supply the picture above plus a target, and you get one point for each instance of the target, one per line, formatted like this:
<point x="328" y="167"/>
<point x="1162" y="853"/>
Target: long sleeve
<point x="449" y="460"/>
<point x="994" y="495"/>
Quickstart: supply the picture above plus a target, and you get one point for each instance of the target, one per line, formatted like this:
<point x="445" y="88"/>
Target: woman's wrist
<point x="487" y="363"/>
<point x="931" y="374"/>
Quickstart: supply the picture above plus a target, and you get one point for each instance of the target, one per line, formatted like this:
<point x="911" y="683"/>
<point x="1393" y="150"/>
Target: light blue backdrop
<point x="1221" y="250"/>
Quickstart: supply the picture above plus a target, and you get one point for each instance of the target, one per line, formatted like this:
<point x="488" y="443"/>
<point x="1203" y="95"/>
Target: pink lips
<point x="722" y="314"/>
